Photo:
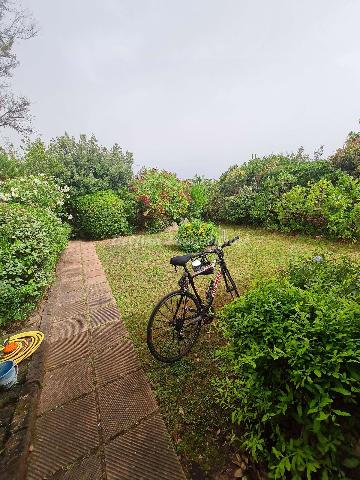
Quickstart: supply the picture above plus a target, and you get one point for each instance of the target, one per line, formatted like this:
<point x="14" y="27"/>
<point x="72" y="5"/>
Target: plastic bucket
<point x="8" y="374"/>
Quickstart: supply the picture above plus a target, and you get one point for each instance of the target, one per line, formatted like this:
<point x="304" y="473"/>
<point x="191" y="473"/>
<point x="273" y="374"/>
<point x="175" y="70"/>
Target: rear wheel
<point x="174" y="326"/>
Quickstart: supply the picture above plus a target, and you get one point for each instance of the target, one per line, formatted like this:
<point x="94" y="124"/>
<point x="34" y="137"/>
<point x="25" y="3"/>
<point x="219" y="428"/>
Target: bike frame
<point x="187" y="280"/>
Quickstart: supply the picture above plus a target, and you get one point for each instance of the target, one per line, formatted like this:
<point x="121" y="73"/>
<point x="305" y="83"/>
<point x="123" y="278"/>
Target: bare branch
<point x="15" y="24"/>
<point x="15" y="113"/>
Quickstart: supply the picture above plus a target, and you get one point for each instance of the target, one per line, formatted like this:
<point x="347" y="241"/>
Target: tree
<point x="347" y="158"/>
<point x="15" y="24"/>
<point x="81" y="164"/>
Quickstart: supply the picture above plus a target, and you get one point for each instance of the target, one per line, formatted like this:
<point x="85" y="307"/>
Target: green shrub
<point x="196" y="235"/>
<point x="293" y="383"/>
<point x="347" y="158"/>
<point x="249" y="193"/>
<point x="162" y="199"/>
<point x="237" y="208"/>
<point x="101" y="215"/>
<point x="199" y="197"/>
<point x="322" y="208"/>
<point x="30" y="242"/>
<point x="342" y="277"/>
<point x="130" y="205"/>
<point x="9" y="165"/>
<point x="83" y="165"/>
<point x="34" y="191"/>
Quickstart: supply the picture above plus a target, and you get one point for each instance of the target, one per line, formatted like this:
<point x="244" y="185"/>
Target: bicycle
<point x="181" y="313"/>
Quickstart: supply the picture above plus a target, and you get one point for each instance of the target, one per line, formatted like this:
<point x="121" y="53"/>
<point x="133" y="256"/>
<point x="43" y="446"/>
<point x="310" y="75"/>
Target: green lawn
<point x="139" y="273"/>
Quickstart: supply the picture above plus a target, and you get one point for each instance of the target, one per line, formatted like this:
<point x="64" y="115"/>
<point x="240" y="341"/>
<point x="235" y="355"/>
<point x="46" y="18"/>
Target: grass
<point x="139" y="273"/>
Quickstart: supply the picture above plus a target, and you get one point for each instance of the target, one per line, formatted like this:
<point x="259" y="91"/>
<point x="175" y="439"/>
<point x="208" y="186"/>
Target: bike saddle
<point x="180" y="260"/>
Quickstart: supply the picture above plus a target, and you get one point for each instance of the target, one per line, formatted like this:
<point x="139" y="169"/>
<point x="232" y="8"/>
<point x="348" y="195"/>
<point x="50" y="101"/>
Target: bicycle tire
<point x="150" y="327"/>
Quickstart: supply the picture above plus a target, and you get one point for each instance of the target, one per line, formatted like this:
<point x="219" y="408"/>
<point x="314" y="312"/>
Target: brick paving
<point x="97" y="418"/>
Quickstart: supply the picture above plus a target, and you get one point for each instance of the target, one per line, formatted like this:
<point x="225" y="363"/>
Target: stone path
<point x="97" y="417"/>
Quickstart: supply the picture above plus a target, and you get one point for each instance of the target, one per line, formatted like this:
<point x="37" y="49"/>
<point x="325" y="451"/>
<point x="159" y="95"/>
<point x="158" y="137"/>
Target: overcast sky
<point x="194" y="86"/>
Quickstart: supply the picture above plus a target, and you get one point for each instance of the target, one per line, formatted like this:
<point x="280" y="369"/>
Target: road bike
<point x="175" y="323"/>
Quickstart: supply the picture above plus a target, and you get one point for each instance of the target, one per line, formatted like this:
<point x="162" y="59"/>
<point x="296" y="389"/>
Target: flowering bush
<point x="162" y="198"/>
<point x="34" y="191"/>
<point x="196" y="235"/>
<point x="101" y="215"/>
<point x="30" y="242"/>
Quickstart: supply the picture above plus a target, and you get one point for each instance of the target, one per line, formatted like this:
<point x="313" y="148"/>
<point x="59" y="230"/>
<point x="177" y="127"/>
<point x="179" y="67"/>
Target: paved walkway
<point x="97" y="417"/>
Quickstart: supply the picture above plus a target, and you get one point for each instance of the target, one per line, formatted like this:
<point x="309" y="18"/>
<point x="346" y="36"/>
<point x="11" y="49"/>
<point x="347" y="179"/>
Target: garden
<point x="272" y="387"/>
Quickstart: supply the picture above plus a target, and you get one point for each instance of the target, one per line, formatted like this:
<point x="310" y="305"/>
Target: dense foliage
<point x="101" y="214"/>
<point x="347" y="158"/>
<point x="322" y="208"/>
<point x="196" y="235"/>
<point x="199" y="191"/>
<point x="9" y="165"/>
<point x="34" y="191"/>
<point x="293" y="383"/>
<point x="83" y="165"/>
<point x="30" y="242"/>
<point x="162" y="198"/>
<point x="291" y="193"/>
<point x="256" y="186"/>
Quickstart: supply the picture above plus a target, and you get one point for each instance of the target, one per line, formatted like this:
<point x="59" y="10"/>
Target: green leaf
<point x="341" y="390"/>
<point x="342" y="413"/>
<point x="322" y="416"/>
<point x="351" y="462"/>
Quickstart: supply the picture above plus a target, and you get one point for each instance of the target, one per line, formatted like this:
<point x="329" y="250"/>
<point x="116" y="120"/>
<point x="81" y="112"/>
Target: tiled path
<point x="97" y="417"/>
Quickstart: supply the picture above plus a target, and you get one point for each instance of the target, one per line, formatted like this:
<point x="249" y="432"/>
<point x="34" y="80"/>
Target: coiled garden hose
<point x="27" y="344"/>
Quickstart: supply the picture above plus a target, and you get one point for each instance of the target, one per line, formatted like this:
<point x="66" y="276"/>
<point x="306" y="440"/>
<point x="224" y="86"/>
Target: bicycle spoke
<point x="174" y="326"/>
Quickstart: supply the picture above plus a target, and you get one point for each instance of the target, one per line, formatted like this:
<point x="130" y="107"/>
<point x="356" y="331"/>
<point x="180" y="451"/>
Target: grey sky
<point x="194" y="86"/>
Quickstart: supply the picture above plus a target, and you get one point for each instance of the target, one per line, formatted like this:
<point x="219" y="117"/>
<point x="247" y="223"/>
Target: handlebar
<point x="216" y="249"/>
<point x="229" y="242"/>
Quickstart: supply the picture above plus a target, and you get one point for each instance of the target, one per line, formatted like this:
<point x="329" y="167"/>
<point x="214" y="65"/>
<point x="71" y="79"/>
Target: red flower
<point x="144" y="199"/>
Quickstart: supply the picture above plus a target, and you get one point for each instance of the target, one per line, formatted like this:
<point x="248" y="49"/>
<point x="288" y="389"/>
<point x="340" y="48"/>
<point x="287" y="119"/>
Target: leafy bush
<point x="34" y="191"/>
<point x="249" y="193"/>
<point x="196" y="235"/>
<point x="30" y="242"/>
<point x="322" y="208"/>
<point x="101" y="215"/>
<point x="9" y="165"/>
<point x="199" y="197"/>
<point x="130" y="205"/>
<point x="237" y="208"/>
<point x="162" y="199"/>
<point x="83" y="165"/>
<point x="341" y="277"/>
<point x="293" y="383"/>
<point x="347" y="158"/>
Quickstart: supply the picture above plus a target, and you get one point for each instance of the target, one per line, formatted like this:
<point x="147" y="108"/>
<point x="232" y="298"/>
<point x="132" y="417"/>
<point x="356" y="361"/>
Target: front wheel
<point x="174" y="326"/>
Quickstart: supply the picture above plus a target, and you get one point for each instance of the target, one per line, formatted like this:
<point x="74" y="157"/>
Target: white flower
<point x="70" y="216"/>
<point x="4" y="197"/>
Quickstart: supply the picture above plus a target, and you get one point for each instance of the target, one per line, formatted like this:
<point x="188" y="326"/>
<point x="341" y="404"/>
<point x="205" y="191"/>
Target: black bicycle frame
<point x="210" y="294"/>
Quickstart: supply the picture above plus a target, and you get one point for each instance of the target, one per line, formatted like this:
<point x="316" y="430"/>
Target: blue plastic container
<point x="8" y="374"/>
